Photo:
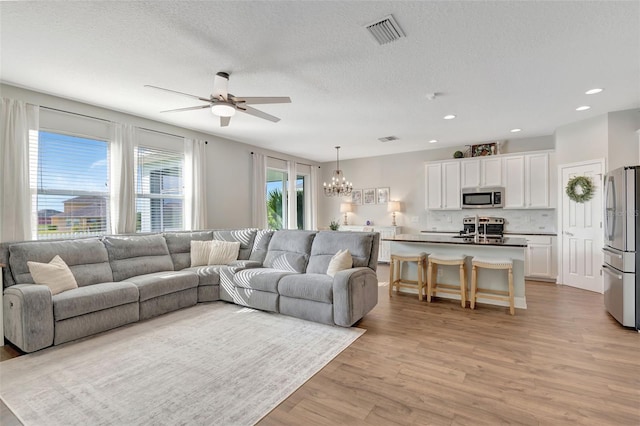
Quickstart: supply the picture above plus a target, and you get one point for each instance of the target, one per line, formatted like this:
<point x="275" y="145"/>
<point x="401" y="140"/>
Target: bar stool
<point x="433" y="286"/>
<point x="492" y="263"/>
<point x="395" y="273"/>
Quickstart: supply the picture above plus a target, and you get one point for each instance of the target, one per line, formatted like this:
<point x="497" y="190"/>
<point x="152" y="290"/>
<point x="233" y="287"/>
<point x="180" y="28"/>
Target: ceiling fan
<point x="224" y="105"/>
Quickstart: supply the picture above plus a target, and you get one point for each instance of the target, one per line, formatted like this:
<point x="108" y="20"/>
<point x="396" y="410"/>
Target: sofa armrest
<point x="355" y="292"/>
<point x="238" y="265"/>
<point x="28" y="316"/>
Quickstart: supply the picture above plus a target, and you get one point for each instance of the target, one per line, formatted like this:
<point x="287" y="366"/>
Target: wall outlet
<point x="448" y="219"/>
<point x="415" y="219"/>
<point x="439" y="274"/>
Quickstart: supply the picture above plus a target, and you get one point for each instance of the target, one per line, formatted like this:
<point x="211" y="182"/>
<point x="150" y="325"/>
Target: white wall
<point x="623" y="139"/>
<point x="582" y="141"/>
<point x="404" y="175"/>
<point x="229" y="163"/>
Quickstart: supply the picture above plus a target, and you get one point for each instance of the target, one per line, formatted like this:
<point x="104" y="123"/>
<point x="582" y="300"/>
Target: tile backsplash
<point x="516" y="220"/>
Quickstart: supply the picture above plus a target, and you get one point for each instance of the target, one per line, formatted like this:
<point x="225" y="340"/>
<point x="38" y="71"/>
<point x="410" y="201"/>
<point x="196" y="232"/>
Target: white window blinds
<point x="71" y="178"/>
<point x="159" y="190"/>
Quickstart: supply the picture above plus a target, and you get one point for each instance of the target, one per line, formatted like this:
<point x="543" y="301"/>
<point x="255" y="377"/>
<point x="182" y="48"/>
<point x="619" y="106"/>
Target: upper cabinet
<point x="528" y="180"/>
<point x="486" y="171"/>
<point x="442" y="185"/>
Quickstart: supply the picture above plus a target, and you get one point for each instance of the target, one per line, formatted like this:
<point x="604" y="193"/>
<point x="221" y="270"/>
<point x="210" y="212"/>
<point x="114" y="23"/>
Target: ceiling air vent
<point x="386" y="30"/>
<point x="388" y="139"/>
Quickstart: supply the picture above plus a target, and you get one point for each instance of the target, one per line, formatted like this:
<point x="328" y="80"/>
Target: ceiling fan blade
<point x="187" y="108"/>
<point x="257" y="113"/>
<point x="224" y="121"/>
<point x="262" y="100"/>
<point x="179" y="93"/>
<point x="221" y="85"/>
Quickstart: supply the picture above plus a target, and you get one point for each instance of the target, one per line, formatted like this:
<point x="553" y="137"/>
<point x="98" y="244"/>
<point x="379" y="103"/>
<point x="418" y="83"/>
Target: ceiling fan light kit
<point x="224" y="105"/>
<point x="223" y="109"/>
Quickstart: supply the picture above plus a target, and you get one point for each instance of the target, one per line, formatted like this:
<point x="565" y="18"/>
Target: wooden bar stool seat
<point x="492" y="263"/>
<point x="395" y="273"/>
<point x="434" y="286"/>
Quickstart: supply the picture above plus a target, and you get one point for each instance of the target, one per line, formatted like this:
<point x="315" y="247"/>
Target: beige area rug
<point x="211" y="364"/>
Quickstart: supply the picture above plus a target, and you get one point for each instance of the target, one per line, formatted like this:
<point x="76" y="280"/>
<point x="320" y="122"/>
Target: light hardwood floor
<point x="564" y="360"/>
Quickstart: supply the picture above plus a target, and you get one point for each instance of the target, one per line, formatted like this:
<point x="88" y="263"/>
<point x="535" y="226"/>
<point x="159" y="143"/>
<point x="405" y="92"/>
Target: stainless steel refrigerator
<point x="622" y="227"/>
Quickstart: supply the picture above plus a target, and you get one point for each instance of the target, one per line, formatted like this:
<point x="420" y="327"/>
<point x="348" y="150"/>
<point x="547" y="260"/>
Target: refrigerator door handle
<point x="608" y="270"/>
<point x="610" y="210"/>
<point x="612" y="252"/>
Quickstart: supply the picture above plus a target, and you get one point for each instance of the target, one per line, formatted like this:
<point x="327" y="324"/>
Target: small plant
<point x="334" y="225"/>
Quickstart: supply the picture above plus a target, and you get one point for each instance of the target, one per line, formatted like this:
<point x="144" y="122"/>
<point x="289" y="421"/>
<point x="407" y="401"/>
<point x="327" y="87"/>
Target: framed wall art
<point x="369" y="196"/>
<point x="383" y="195"/>
<point x="356" y="197"/>
<point x="484" y="149"/>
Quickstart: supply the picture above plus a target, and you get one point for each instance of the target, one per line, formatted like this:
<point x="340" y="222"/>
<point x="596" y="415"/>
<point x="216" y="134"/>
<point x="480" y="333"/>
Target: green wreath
<point x="580" y="189"/>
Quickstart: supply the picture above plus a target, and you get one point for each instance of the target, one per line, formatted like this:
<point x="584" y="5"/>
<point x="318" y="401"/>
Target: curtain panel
<point x="122" y="196"/>
<point x="195" y="192"/>
<point x="259" y="191"/>
<point x="18" y="216"/>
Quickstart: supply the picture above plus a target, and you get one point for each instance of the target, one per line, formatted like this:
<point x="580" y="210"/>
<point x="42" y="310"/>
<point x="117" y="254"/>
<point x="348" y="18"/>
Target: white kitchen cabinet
<point x="384" y="250"/>
<point x="477" y="172"/>
<point x="540" y="259"/>
<point x="527" y="181"/>
<point x="442" y="185"/>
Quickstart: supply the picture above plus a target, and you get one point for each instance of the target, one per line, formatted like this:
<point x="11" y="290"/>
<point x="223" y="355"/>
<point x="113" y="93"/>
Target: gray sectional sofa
<point x="127" y="278"/>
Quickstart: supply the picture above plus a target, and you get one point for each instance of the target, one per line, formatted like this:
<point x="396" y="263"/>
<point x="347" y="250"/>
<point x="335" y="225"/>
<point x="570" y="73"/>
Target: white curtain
<point x="195" y="193"/>
<point x="292" y="195"/>
<point x="259" y="191"/>
<point x="18" y="216"/>
<point x="314" y="197"/>
<point x="122" y="194"/>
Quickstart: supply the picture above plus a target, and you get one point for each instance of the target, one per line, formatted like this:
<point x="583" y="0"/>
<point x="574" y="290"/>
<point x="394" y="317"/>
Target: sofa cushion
<point x="207" y="275"/>
<point x="289" y="250"/>
<point x="84" y="300"/>
<point x="87" y="259"/>
<point x="161" y="283"/>
<point x="328" y="243"/>
<point x="339" y="262"/>
<point x="179" y="245"/>
<point x="200" y="251"/>
<point x="56" y="275"/>
<point x="244" y="236"/>
<point x="135" y="255"/>
<point x="317" y="287"/>
<point x="263" y="279"/>
<point x="223" y="252"/>
<point x="261" y="245"/>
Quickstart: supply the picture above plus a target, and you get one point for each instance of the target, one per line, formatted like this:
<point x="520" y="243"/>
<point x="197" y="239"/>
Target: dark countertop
<point x="437" y="239"/>
<point x="543" y="233"/>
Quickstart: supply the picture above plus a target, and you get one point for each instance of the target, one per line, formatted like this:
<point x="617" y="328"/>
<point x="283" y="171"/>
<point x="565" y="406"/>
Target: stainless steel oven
<point x="482" y="198"/>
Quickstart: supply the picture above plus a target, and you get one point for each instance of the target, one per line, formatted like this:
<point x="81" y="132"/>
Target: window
<point x="71" y="178"/>
<point x="277" y="184"/>
<point x="159" y="190"/>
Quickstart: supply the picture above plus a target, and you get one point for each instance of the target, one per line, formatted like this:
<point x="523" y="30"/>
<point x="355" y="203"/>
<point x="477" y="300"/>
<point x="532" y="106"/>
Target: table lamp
<point x="393" y="206"/>
<point x="345" y="208"/>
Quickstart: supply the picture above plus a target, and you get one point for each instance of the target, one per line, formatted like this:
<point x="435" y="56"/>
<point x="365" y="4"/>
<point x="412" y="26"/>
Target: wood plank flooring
<point x="564" y="360"/>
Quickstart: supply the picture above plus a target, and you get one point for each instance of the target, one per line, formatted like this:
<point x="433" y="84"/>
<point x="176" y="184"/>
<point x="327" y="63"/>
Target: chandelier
<point x="339" y="185"/>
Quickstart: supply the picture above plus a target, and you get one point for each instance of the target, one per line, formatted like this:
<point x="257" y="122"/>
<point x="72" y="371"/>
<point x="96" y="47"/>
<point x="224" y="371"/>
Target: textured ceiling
<point x="496" y="65"/>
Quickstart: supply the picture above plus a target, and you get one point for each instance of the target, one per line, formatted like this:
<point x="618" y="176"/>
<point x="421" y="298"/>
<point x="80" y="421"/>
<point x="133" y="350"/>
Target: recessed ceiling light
<point x="449" y="117"/>
<point x="516" y="130"/>
<point x="433" y="141"/>
<point x="593" y="91"/>
<point x="583" y="108"/>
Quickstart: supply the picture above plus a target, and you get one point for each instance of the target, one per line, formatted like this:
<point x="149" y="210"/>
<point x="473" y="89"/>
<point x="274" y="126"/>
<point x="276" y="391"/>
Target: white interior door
<point x="581" y="230"/>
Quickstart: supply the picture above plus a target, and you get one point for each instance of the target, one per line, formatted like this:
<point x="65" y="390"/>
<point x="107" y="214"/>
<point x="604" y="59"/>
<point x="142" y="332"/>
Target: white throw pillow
<point x="339" y="262"/>
<point x="56" y="275"/>
<point x="223" y="252"/>
<point x="200" y="251"/>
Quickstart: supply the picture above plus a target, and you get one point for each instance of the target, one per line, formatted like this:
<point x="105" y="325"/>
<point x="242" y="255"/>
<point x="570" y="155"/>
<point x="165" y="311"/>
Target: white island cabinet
<point x="384" y="252"/>
<point x="540" y="257"/>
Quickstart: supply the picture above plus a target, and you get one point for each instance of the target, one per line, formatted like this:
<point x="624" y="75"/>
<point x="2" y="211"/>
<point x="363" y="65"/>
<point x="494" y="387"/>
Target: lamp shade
<point x="393" y="206"/>
<point x="346" y="207"/>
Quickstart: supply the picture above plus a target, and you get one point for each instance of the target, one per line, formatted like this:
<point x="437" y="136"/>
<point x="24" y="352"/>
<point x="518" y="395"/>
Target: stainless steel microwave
<point x="483" y="198"/>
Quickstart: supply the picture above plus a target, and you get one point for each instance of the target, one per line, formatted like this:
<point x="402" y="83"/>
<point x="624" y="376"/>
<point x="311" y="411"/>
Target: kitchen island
<point x="507" y="247"/>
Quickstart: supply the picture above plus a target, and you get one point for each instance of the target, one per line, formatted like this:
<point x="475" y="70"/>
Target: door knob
<point x="568" y="233"/>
